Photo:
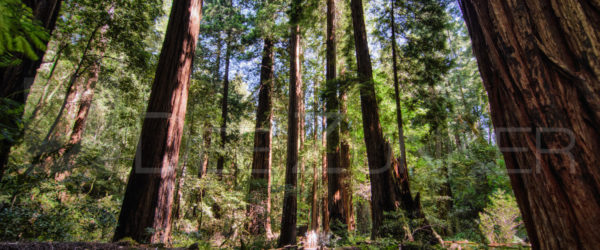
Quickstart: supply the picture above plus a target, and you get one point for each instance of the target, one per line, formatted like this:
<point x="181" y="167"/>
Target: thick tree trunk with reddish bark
<point x="389" y="182"/>
<point x="16" y="80"/>
<point x="540" y="64"/>
<point x="288" y="219"/>
<point x="337" y="216"/>
<point x="149" y="193"/>
<point x="259" y="194"/>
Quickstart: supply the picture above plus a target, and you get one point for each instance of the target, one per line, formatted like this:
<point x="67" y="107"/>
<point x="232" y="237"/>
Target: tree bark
<point x="149" y="193"/>
<point x="540" y="64"/>
<point x="314" y="209"/>
<point x="324" y="199"/>
<point x="389" y="181"/>
<point x="224" y="109"/>
<point x="337" y="216"/>
<point x="259" y="194"/>
<point x="288" y="220"/>
<point x="345" y="163"/>
<point x="401" y="143"/>
<point x="16" y="80"/>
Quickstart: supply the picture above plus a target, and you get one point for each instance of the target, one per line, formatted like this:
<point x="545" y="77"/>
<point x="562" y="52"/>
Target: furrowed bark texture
<point x="288" y="219"/>
<point x="259" y="194"/>
<point x="337" y="216"/>
<point x="540" y="64"/>
<point x="149" y="193"/>
<point x="16" y="80"/>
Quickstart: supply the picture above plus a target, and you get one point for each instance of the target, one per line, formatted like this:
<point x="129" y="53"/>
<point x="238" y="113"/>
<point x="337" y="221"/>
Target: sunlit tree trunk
<point x="345" y="163"/>
<point x="314" y="209"/>
<point x="15" y="81"/>
<point x="288" y="220"/>
<point x="259" y="194"/>
<point x="149" y="193"/>
<point x="540" y="64"/>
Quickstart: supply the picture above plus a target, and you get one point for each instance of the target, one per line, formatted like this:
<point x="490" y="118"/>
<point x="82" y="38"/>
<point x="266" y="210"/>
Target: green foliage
<point x="20" y="33"/>
<point x="500" y="221"/>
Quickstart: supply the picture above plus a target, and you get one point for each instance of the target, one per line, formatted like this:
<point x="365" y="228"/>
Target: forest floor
<point x="78" y="246"/>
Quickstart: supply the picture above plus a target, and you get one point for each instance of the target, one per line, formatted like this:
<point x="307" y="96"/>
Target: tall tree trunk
<point x="345" y="161"/>
<point x="44" y="96"/>
<point x="71" y="148"/>
<point x="337" y="216"/>
<point x="389" y="183"/>
<point x="288" y="220"/>
<point x="259" y="194"/>
<point x="224" y="109"/>
<point x="149" y="193"/>
<point x="324" y="199"/>
<point x="540" y="64"/>
<point x="314" y="208"/>
<point x="401" y="143"/>
<point x="16" y="80"/>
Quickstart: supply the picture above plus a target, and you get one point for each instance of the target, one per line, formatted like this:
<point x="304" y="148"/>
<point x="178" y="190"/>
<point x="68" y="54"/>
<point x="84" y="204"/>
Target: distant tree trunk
<point x="288" y="220"/>
<point x="177" y="214"/>
<point x="44" y="96"/>
<point x="259" y="194"/>
<point x="389" y="183"/>
<point x="314" y="209"/>
<point x="540" y="64"/>
<point x="324" y="199"/>
<point x="345" y="161"/>
<point x="337" y="216"/>
<point x="71" y="148"/>
<point x="401" y="143"/>
<point x="224" y="110"/>
<point x="149" y="193"/>
<point x="206" y="141"/>
<point x="16" y="80"/>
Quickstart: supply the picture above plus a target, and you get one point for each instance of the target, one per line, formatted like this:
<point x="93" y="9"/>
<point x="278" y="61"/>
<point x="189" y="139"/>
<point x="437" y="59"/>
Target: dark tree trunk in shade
<point x="259" y="194"/>
<point x="288" y="219"/>
<point x="401" y="143"/>
<point x="337" y="216"/>
<point x="224" y="109"/>
<point x="15" y="81"/>
<point x="149" y="193"/>
<point x="389" y="181"/>
<point x="540" y="64"/>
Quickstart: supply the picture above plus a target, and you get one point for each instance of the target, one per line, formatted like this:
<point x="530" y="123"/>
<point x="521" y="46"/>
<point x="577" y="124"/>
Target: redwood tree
<point x="288" y="219"/>
<point x="15" y="81"/>
<point x="540" y="64"/>
<point x="389" y="183"/>
<point x="149" y="193"/>
<point x="337" y="216"/>
<point x="260" y="179"/>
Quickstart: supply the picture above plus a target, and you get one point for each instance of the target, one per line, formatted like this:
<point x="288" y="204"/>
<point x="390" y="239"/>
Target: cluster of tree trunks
<point x="149" y="193"/>
<point x="16" y="80"/>
<point x="540" y="63"/>
<point x="288" y="219"/>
